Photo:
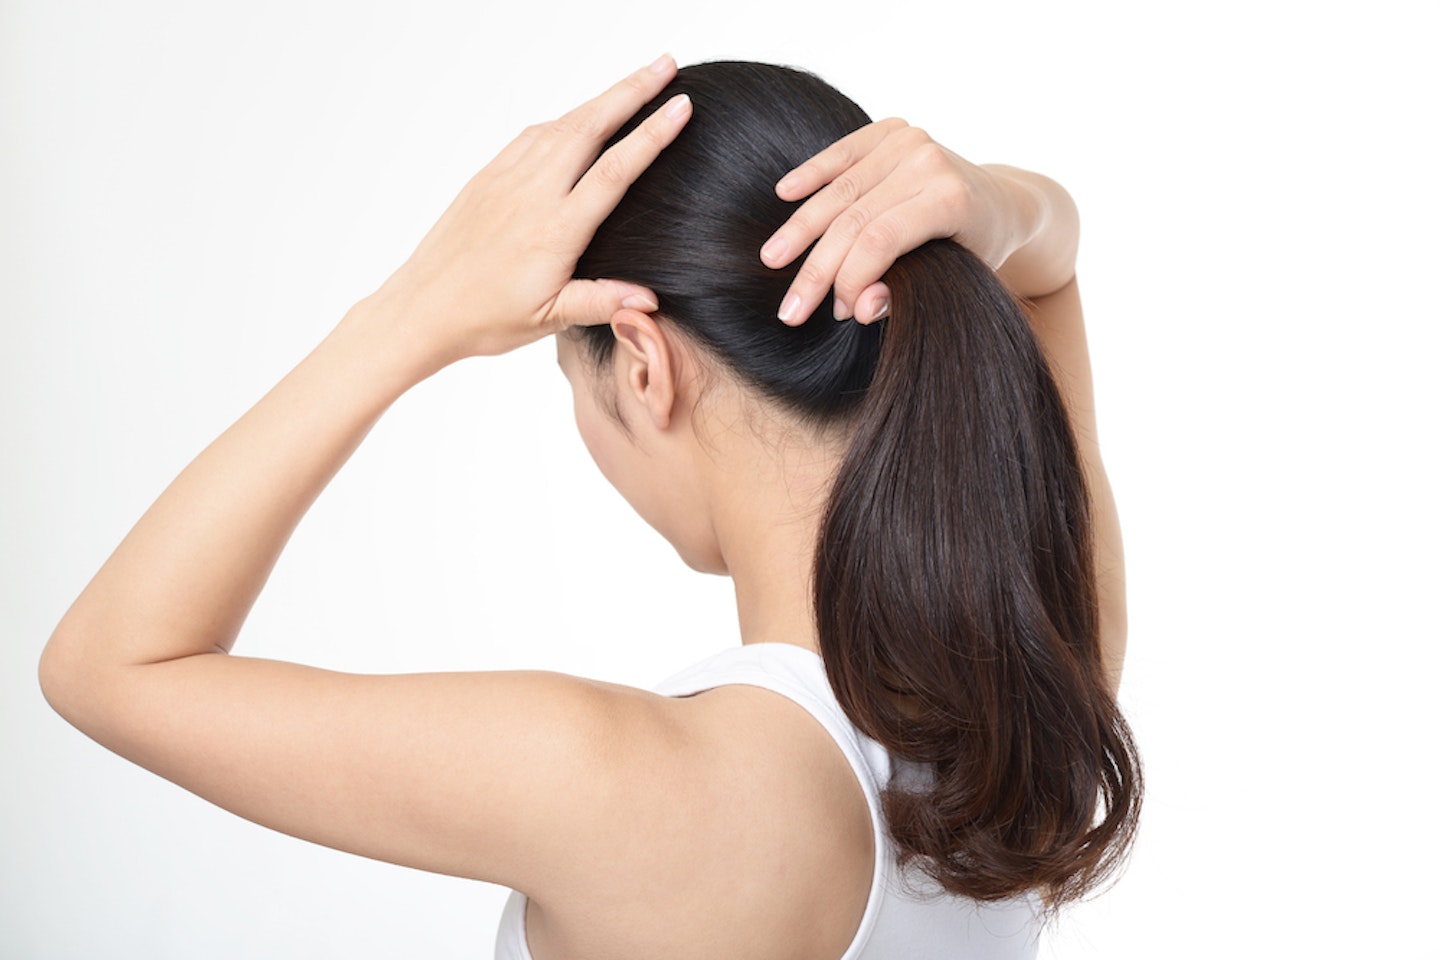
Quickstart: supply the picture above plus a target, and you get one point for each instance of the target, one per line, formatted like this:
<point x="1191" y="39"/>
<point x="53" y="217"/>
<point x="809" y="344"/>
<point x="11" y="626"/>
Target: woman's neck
<point x="768" y="498"/>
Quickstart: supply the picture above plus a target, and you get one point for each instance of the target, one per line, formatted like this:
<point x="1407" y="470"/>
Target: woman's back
<point x="789" y="877"/>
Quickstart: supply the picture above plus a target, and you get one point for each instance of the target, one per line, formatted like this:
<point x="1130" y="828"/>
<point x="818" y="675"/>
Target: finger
<point x="819" y="213"/>
<point x="585" y="128"/>
<point x="841" y="191"/>
<point x="873" y="303"/>
<point x="586" y="303"/>
<point x="883" y="241"/>
<point x="821" y="268"/>
<point x="830" y="162"/>
<point x="602" y="186"/>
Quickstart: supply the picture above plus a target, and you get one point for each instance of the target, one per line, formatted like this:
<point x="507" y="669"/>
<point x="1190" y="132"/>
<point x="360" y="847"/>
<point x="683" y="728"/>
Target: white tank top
<point x="913" y="920"/>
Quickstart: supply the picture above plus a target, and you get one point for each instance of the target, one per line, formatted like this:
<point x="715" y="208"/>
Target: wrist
<point x="1045" y="231"/>
<point x="382" y="332"/>
<point x="1020" y="208"/>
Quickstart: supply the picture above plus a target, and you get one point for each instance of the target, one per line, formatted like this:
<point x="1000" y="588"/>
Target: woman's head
<point x="692" y="226"/>
<point x="691" y="229"/>
<point x="954" y="581"/>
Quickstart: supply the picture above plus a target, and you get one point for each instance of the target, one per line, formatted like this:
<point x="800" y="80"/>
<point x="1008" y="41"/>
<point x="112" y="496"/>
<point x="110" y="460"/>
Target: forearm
<point x="1046" y="228"/>
<point x="1058" y="322"/>
<point x="184" y="579"/>
<point x="492" y="274"/>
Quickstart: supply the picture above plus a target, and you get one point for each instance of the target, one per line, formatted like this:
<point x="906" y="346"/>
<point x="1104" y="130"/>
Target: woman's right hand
<point x="494" y="273"/>
<point x="884" y="190"/>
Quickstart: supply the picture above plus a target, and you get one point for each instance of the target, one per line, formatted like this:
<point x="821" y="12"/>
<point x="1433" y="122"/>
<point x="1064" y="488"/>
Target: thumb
<point x="587" y="303"/>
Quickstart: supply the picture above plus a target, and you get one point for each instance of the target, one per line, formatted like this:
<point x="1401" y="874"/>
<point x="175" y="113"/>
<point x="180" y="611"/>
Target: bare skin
<point x="640" y="826"/>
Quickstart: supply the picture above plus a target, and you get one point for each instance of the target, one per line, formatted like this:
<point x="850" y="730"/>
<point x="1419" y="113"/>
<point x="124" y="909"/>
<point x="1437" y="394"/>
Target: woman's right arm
<point x="888" y="188"/>
<point x="534" y="780"/>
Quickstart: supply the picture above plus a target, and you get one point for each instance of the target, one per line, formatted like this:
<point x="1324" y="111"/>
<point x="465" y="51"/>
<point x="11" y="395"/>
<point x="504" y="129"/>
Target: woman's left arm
<point x="397" y="768"/>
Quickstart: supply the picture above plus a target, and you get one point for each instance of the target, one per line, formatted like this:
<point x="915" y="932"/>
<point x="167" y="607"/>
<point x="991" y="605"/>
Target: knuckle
<point x="851" y="224"/>
<point x="590" y="127"/>
<point x="955" y="195"/>
<point x="579" y="126"/>
<point x="799" y="230"/>
<point x="809" y="171"/>
<point x="845" y="189"/>
<point x="609" y="171"/>
<point x="636" y="82"/>
<point x="812" y="275"/>
<point x="880" y="239"/>
<point x="931" y="156"/>
<point x="801" y="221"/>
<point x="914" y="138"/>
<point x="653" y="130"/>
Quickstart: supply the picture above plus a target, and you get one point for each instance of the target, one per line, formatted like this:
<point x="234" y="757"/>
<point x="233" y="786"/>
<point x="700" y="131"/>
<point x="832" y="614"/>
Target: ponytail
<point x="955" y="594"/>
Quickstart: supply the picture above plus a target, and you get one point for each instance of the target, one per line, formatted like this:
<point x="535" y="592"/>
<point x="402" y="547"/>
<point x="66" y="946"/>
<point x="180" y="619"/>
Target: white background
<point x="190" y="196"/>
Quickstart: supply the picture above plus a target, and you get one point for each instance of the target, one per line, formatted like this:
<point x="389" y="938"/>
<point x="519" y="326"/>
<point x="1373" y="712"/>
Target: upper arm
<point x="503" y="776"/>
<point x="606" y="805"/>
<point x="1059" y="325"/>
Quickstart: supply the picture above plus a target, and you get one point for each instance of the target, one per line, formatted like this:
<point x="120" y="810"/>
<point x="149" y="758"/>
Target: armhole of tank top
<point x="779" y="668"/>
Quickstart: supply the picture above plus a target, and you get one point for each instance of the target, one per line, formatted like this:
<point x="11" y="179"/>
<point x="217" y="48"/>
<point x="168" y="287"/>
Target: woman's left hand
<point x="883" y="190"/>
<point x="494" y="273"/>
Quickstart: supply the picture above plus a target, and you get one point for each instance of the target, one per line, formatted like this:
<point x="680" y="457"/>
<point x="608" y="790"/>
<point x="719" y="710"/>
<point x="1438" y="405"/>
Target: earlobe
<point x="645" y="360"/>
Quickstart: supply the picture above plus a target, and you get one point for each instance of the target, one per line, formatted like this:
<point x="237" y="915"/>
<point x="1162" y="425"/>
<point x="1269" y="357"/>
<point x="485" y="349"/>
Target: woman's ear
<point x="645" y="364"/>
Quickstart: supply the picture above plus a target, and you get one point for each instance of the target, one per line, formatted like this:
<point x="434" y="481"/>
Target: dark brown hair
<point x="955" y="587"/>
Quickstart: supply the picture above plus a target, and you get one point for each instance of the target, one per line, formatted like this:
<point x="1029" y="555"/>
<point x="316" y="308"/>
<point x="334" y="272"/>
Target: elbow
<point x="57" y="673"/>
<point x="70" y="681"/>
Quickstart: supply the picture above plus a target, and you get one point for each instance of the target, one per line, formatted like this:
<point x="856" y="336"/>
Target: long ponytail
<point x="956" y="599"/>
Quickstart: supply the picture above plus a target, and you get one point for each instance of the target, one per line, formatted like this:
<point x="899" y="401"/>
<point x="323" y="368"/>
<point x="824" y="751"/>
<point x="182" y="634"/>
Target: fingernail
<point x="881" y="309"/>
<point x="775" y="248"/>
<point x="785" y="184"/>
<point x="678" y="105"/>
<point x="659" y="65"/>
<point x="638" y="301"/>
<point x="842" y="312"/>
<point x="788" y="307"/>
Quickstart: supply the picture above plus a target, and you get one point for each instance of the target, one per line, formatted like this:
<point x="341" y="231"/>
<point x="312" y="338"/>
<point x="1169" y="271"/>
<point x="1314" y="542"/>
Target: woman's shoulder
<point x="748" y="816"/>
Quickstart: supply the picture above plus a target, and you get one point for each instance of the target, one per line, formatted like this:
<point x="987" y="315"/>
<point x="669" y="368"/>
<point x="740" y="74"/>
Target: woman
<point x="902" y="506"/>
